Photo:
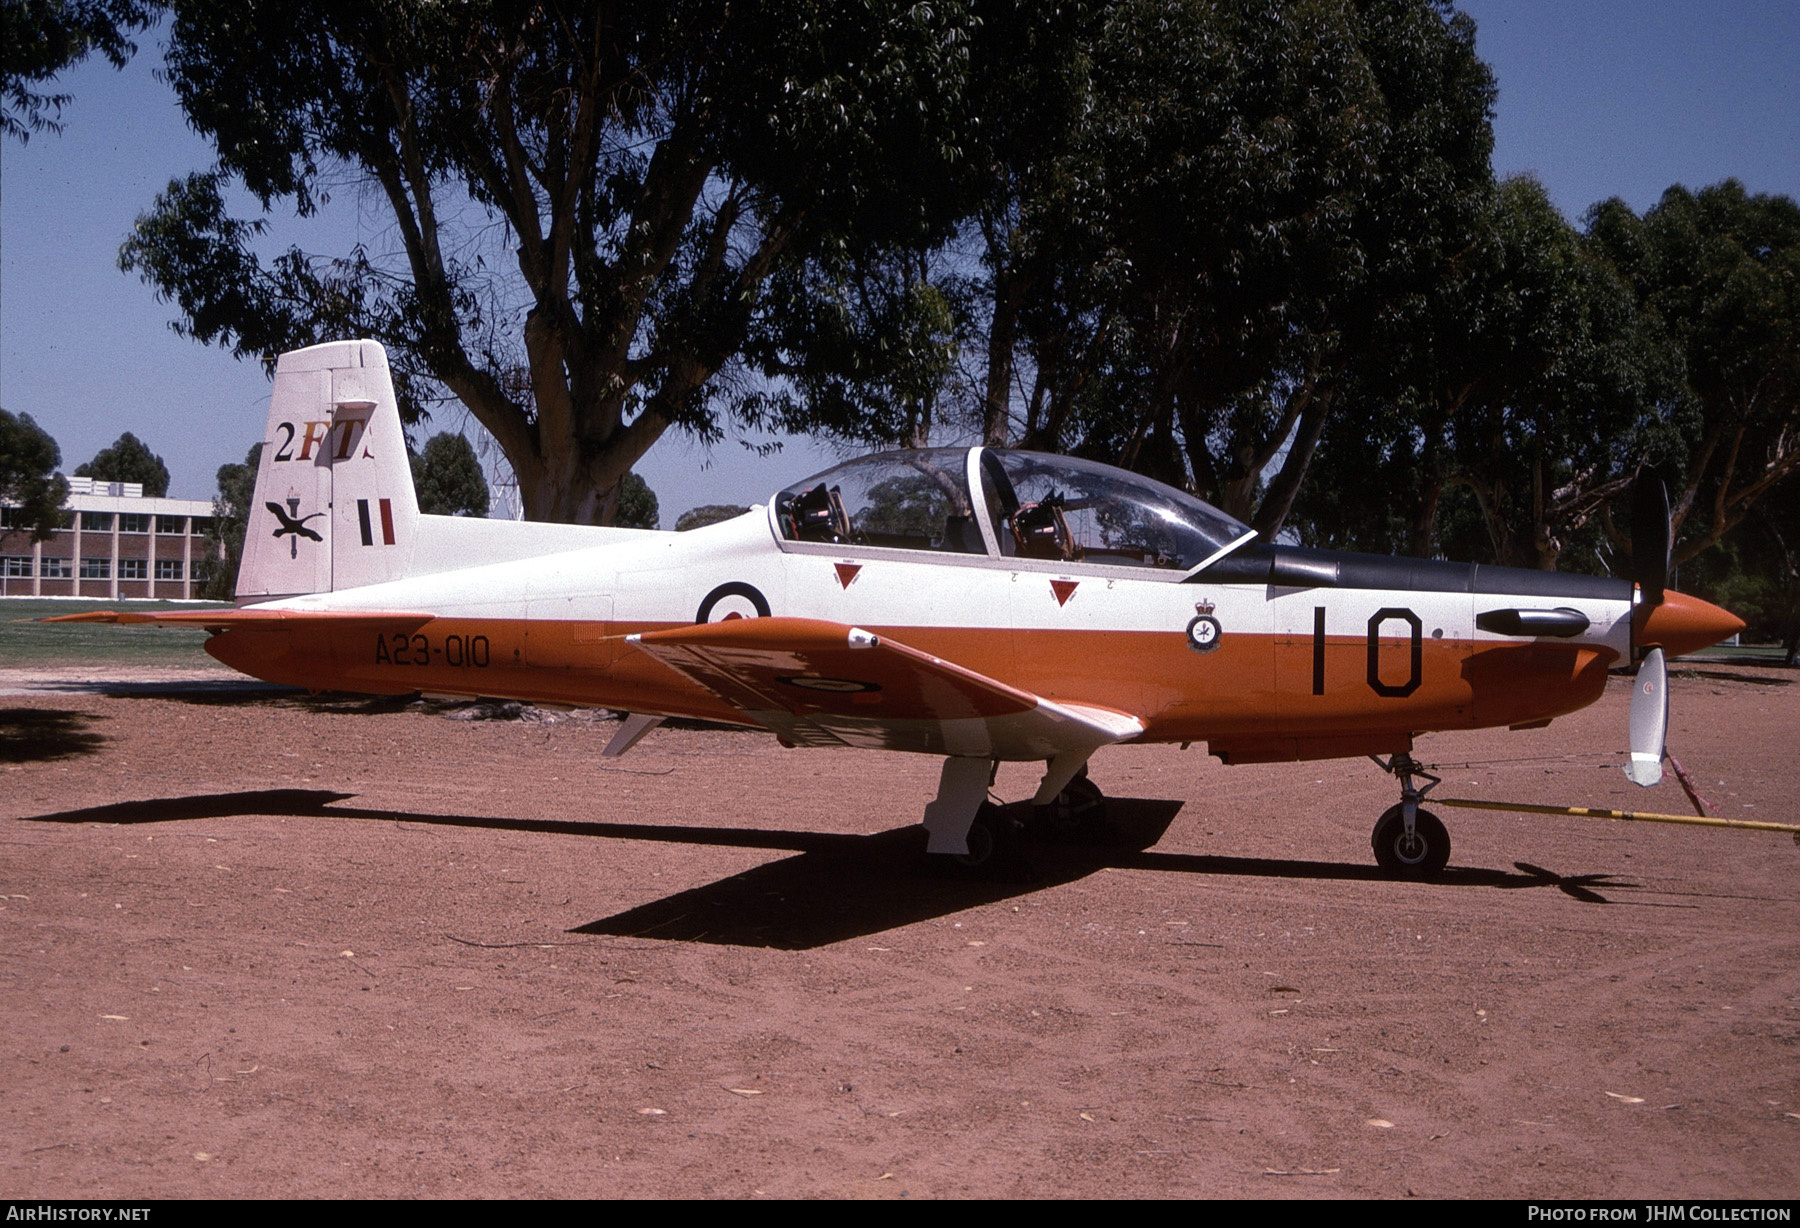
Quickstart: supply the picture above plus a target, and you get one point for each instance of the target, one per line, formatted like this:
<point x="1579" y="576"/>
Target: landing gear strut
<point x="970" y="836"/>
<point x="1079" y="810"/>
<point x="1410" y="842"/>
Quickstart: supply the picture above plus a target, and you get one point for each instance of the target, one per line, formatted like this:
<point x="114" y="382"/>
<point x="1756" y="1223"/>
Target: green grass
<point x="27" y="643"/>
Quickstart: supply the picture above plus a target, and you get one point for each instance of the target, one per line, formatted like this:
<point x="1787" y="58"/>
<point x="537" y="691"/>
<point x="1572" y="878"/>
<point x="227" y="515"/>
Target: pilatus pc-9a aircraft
<point x="975" y="604"/>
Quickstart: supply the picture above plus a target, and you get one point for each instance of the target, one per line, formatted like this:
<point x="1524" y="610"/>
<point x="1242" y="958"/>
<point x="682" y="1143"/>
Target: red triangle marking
<point x="847" y="572"/>
<point x="1064" y="589"/>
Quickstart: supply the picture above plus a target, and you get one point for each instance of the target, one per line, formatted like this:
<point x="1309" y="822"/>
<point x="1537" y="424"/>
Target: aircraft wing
<point x="253" y="619"/>
<point x="820" y="683"/>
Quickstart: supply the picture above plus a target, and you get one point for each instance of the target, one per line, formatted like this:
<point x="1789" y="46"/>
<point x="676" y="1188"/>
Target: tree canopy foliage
<point x="447" y="477"/>
<point x="1186" y="222"/>
<point x="40" y="38"/>
<point x="1251" y="198"/>
<point x="128" y="459"/>
<point x="1720" y="268"/>
<point x="708" y="513"/>
<point x="29" y="482"/>
<point x="637" y="505"/>
<point x="231" y="518"/>
<point x="642" y="167"/>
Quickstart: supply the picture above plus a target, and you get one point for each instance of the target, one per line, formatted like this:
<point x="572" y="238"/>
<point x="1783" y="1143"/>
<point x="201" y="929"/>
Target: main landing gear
<point x="971" y="836"/>
<point x="1079" y="810"/>
<point x="1410" y="842"/>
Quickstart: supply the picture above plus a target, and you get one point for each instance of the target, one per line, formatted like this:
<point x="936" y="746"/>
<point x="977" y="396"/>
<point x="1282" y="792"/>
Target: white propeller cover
<point x="1649" y="720"/>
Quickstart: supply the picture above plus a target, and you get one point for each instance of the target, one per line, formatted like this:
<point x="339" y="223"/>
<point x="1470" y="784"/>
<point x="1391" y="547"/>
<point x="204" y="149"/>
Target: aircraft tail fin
<point x="334" y="505"/>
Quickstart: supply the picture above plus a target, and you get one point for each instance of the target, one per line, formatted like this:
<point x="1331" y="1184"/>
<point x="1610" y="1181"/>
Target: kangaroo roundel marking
<point x="733" y="600"/>
<point x="1204" y="633"/>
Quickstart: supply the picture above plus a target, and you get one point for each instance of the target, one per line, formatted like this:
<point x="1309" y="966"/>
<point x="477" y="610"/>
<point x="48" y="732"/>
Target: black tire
<point x="990" y="839"/>
<point x="1424" y="856"/>
<point x="996" y="851"/>
<point x="1080" y="809"/>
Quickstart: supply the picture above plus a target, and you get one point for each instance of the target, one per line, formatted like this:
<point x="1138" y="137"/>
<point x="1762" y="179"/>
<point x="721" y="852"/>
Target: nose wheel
<point x="1421" y="853"/>
<point x="1410" y="842"/>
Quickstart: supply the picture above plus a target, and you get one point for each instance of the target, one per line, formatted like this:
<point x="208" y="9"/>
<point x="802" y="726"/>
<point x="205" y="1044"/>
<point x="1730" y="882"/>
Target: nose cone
<point x="1681" y="623"/>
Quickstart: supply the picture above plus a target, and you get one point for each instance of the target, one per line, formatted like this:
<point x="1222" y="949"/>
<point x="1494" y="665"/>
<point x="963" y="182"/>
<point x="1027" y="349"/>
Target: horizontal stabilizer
<point x="251" y="619"/>
<point x="822" y="683"/>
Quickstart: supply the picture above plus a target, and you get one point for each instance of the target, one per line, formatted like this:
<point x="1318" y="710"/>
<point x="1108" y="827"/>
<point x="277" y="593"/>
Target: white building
<point x="117" y="544"/>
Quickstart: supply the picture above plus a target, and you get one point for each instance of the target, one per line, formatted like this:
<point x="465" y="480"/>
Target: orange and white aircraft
<point x="976" y="604"/>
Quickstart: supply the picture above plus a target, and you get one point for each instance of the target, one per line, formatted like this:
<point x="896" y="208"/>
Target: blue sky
<point x="1596" y="100"/>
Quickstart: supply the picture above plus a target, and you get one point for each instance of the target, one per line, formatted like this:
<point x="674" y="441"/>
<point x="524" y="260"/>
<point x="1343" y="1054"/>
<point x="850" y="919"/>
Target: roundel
<point x="733" y="600"/>
<point x="1204" y="633"/>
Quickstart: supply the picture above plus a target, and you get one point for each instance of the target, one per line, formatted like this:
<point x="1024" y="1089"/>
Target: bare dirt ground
<point x="257" y="944"/>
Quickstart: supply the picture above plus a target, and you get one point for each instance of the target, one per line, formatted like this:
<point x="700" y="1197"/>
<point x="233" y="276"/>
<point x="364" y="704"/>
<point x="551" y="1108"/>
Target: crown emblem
<point x="1203" y="607"/>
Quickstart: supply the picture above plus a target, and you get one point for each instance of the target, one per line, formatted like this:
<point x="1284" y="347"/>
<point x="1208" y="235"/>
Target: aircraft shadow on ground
<point x="44" y="735"/>
<point x="835" y="887"/>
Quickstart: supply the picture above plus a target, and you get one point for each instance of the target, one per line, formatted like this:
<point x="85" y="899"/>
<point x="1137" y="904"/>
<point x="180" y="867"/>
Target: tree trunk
<point x="1278" y="499"/>
<point x="1002" y="340"/>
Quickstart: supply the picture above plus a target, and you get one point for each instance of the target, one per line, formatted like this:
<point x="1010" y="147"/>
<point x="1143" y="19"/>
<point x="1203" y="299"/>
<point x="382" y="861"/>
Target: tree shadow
<point x="44" y="735"/>
<point x="836" y="887"/>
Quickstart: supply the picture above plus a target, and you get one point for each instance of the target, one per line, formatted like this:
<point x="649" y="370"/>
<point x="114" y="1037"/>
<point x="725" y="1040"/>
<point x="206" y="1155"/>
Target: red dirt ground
<point x="261" y="945"/>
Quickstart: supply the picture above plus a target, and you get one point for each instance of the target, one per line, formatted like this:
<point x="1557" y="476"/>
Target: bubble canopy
<point x="995" y="501"/>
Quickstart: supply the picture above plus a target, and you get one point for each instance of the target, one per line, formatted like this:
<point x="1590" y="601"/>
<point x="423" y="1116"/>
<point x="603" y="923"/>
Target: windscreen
<point x="1078" y="511"/>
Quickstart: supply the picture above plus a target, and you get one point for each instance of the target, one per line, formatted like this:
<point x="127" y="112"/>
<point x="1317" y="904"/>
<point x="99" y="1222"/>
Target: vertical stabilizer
<point x="334" y="505"/>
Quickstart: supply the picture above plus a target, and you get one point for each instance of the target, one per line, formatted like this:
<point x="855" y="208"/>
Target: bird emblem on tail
<point x="293" y="523"/>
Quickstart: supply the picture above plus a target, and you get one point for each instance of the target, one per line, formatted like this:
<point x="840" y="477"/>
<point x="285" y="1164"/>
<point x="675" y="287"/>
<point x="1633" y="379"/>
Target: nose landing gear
<point x="1410" y="842"/>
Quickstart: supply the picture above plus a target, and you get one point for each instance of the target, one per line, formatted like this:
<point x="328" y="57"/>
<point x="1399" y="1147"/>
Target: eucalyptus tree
<point x="1721" y="268"/>
<point x="447" y="477"/>
<point x="30" y="486"/>
<point x="586" y="202"/>
<point x="1523" y="398"/>
<point x="1239" y="201"/>
<point x="1580" y="387"/>
<point x="40" y="38"/>
<point x="128" y="459"/>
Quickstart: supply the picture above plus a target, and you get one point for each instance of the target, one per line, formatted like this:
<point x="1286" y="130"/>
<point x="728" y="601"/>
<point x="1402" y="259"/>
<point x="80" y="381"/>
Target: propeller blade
<point x="1649" y="720"/>
<point x="1650" y="537"/>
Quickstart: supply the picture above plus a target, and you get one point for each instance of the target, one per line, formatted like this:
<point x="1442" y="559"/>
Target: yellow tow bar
<point x="1617" y="816"/>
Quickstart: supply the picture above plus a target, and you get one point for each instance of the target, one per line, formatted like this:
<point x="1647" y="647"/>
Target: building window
<point x="55" y="568"/>
<point x="14" y="518"/>
<point x="168" y="569"/>
<point x="134" y="522"/>
<point x="171" y="526"/>
<point x="96" y="522"/>
<point x="16" y="566"/>
<point x="202" y="525"/>
<point x="133" y="569"/>
<point x="96" y="569"/>
<point x="201" y="572"/>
